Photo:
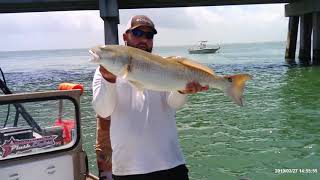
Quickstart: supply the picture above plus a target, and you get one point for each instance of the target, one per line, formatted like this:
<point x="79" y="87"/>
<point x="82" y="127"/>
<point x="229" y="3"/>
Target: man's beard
<point x="141" y="46"/>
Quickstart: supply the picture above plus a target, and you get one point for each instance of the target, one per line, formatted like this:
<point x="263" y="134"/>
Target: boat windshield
<point x="203" y="44"/>
<point x="33" y="126"/>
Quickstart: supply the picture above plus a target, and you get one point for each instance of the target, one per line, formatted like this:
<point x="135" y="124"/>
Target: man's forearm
<point x="104" y="95"/>
<point x="103" y="144"/>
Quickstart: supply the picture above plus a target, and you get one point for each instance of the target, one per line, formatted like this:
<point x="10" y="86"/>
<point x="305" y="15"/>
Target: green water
<point x="278" y="128"/>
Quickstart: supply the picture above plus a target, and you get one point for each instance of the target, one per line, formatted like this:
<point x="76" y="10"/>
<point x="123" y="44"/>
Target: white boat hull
<point x="203" y="51"/>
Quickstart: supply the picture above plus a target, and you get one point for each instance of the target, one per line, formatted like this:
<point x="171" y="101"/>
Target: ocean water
<point x="278" y="128"/>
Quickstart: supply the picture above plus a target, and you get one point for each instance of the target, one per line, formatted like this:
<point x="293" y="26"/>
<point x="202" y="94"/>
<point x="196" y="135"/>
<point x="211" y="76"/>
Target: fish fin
<point x="139" y="96"/>
<point x="125" y="71"/>
<point x="235" y="90"/>
<point x="190" y="63"/>
<point x="140" y="100"/>
<point x="137" y="85"/>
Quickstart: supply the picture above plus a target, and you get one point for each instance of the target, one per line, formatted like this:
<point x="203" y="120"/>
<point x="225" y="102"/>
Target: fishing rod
<point x="19" y="108"/>
<point x="9" y="105"/>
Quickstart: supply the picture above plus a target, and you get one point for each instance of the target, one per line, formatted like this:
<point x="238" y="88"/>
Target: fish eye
<point x="230" y="79"/>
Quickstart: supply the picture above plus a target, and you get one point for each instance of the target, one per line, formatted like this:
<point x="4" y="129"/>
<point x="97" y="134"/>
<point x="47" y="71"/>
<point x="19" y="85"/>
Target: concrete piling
<point x="292" y="39"/>
<point x="305" y="39"/>
<point x="316" y="39"/>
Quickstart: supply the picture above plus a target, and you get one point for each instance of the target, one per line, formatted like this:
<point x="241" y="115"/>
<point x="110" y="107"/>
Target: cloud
<point x="203" y="15"/>
<point x="254" y="15"/>
<point x="164" y="18"/>
<point x="227" y="24"/>
<point x="51" y="30"/>
<point x="176" y="26"/>
<point x="50" y="22"/>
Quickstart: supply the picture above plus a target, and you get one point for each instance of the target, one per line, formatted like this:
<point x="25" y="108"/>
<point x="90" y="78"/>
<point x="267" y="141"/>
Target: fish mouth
<point x="94" y="56"/>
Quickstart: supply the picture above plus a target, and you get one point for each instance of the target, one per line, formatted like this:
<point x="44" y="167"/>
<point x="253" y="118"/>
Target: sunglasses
<point x="140" y="33"/>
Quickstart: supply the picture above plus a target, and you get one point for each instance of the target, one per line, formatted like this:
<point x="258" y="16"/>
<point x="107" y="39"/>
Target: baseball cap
<point x="140" y="20"/>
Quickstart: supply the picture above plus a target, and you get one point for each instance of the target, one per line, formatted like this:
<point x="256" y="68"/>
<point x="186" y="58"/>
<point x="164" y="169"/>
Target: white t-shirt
<point x="143" y="140"/>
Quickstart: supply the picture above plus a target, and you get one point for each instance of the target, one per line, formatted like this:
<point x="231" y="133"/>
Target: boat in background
<point x="202" y="49"/>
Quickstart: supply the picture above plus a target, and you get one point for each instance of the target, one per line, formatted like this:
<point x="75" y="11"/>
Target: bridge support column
<point x="305" y="39"/>
<point x="292" y="40"/>
<point x="316" y="39"/>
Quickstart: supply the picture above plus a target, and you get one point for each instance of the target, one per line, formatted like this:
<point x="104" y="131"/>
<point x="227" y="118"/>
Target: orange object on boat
<point x="70" y="86"/>
<point x="67" y="126"/>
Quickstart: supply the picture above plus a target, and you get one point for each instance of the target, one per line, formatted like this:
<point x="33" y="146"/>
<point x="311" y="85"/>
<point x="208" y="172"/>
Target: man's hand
<point x="107" y="75"/>
<point x="194" y="87"/>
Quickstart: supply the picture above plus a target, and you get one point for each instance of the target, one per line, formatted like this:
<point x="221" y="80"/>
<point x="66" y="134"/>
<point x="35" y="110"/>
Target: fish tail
<point x="235" y="86"/>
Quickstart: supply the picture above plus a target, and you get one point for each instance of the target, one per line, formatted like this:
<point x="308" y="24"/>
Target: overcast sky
<point x="176" y="26"/>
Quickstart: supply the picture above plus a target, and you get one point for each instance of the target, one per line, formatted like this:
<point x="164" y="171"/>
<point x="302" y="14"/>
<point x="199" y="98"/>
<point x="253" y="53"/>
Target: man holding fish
<point x="142" y="91"/>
